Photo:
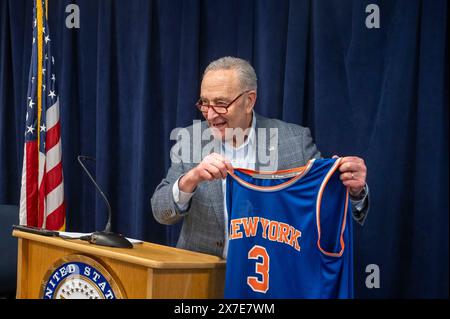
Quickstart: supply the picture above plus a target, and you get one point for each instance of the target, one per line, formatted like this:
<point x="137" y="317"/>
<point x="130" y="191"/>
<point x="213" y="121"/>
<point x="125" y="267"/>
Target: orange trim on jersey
<point x="279" y="172"/>
<point x="318" y="203"/>
<point x="300" y="170"/>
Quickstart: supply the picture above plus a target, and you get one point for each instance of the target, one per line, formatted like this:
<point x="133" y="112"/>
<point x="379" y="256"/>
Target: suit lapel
<point x="269" y="146"/>
<point x="217" y="200"/>
<point x="215" y="187"/>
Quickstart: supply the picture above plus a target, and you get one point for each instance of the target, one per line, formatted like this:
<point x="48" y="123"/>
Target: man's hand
<point x="353" y="174"/>
<point x="213" y="166"/>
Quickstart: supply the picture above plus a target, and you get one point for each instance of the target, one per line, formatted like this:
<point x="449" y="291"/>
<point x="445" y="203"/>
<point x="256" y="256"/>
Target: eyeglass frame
<point x="199" y="106"/>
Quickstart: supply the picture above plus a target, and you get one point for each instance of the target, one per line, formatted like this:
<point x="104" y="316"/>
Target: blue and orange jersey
<point x="290" y="233"/>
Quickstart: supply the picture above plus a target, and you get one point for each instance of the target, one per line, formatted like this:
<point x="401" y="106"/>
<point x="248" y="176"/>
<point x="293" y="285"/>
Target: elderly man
<point x="194" y="191"/>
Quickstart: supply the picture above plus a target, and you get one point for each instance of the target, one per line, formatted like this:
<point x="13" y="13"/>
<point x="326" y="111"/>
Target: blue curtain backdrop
<point x="130" y="74"/>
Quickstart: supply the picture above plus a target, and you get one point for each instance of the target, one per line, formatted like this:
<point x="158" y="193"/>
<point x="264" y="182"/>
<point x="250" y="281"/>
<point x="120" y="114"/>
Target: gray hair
<point x="247" y="75"/>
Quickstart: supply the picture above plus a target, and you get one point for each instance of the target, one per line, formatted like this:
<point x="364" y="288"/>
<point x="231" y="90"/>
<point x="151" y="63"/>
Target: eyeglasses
<point x="220" y="107"/>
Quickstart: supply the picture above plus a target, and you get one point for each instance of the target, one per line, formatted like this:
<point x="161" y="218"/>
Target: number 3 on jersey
<point x="261" y="268"/>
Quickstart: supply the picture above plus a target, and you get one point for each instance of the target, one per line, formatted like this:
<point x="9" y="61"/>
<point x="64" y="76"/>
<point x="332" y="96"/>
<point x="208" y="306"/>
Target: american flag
<point x="42" y="192"/>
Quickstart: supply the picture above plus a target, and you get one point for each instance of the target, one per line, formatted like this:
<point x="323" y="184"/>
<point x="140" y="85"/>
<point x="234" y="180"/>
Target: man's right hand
<point x="213" y="166"/>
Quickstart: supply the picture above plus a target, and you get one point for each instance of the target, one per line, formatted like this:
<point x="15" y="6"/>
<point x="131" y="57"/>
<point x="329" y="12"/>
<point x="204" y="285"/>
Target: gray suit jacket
<point x="203" y="227"/>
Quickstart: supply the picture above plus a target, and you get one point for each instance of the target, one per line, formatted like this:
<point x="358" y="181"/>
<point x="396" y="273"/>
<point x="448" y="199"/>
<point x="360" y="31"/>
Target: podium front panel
<point x="50" y="267"/>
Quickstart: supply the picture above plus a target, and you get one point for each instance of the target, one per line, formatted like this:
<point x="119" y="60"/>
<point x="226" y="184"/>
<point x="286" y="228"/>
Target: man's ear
<point x="251" y="100"/>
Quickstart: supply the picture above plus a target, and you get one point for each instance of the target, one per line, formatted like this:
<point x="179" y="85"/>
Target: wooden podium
<point x="145" y="271"/>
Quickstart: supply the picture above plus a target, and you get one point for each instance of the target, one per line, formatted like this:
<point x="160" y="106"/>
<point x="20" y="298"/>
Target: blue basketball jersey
<point x="290" y="233"/>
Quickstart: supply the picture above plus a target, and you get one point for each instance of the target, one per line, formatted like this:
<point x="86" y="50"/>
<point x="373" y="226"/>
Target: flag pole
<point x="39" y="18"/>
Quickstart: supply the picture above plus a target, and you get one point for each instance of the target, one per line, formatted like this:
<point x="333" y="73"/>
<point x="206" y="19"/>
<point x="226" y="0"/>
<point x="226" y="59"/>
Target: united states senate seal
<point x="79" y="277"/>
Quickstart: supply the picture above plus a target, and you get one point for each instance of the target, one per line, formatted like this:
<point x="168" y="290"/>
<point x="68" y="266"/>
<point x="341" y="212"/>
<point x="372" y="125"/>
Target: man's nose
<point x="211" y="115"/>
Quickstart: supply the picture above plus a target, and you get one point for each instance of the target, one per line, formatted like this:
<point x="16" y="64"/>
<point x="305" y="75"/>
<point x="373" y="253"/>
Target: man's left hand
<point x="353" y="174"/>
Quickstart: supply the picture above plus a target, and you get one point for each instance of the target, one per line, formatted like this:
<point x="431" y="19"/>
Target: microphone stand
<point x="105" y="237"/>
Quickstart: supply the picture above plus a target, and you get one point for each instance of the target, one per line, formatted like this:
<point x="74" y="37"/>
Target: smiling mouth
<point x="219" y="125"/>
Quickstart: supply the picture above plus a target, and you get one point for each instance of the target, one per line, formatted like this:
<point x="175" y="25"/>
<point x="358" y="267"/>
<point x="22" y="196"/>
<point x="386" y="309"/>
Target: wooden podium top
<point x="145" y="254"/>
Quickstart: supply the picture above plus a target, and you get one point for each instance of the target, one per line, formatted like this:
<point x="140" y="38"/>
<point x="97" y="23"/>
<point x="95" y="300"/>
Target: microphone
<point x="105" y="237"/>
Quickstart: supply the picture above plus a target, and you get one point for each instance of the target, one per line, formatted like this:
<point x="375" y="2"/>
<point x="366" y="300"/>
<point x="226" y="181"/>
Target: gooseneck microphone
<point x="105" y="237"/>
